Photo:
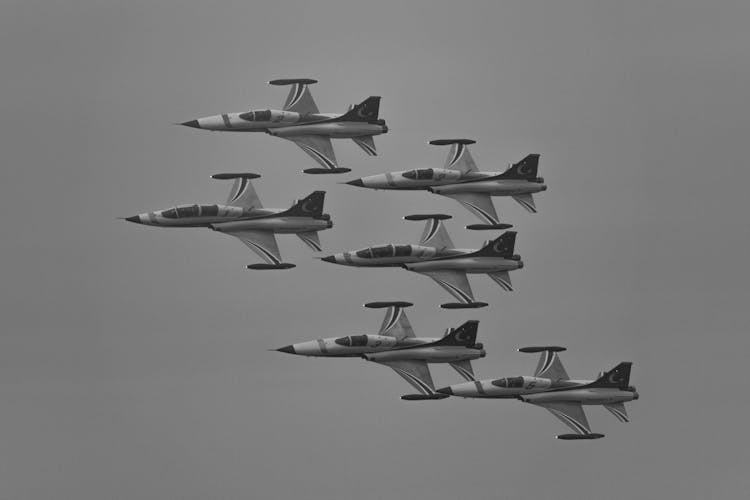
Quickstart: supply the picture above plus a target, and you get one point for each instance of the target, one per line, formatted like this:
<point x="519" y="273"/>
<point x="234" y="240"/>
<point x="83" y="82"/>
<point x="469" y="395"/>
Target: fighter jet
<point x="396" y="346"/>
<point x="551" y="388"/>
<point x="302" y="123"/>
<point x="460" y="179"/>
<point x="435" y="256"/>
<point x="244" y="217"/>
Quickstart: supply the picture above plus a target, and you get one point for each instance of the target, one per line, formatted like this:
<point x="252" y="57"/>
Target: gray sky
<point x="134" y="361"/>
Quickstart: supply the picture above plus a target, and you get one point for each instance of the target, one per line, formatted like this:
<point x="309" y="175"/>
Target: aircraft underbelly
<point x="492" y="188"/>
<point x="275" y="224"/>
<point x="333" y="130"/>
<point x="583" y="396"/>
<point x="470" y="265"/>
<point x="428" y="354"/>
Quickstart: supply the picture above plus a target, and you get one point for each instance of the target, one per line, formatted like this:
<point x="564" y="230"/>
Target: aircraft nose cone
<point x="330" y="258"/>
<point x="636" y="395"/>
<point x="287" y="349"/>
<point x="520" y="264"/>
<point x="191" y="123"/>
<point x="356" y="182"/>
<point x="445" y="390"/>
<point x="135" y="218"/>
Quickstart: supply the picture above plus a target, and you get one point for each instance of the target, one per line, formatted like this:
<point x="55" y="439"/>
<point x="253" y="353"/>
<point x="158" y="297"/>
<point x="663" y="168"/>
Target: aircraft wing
<point x="551" y="367"/>
<point x="261" y="242"/>
<point x="435" y="234"/>
<point x="367" y="143"/>
<point x="571" y="414"/>
<point x="464" y="369"/>
<point x="318" y="147"/>
<point x="454" y="282"/>
<point x="479" y="204"/>
<point x="300" y="100"/>
<point x="618" y="410"/>
<point x="502" y="278"/>
<point x="416" y="372"/>
<point x="396" y="324"/>
<point x="526" y="201"/>
<point x="459" y="157"/>
<point x="243" y="195"/>
<point x="311" y="239"/>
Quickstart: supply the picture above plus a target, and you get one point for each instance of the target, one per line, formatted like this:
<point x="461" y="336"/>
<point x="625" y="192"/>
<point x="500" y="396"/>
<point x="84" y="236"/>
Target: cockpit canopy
<point x="382" y="251"/>
<point x="257" y="116"/>
<point x="510" y="382"/>
<point x="191" y="211"/>
<point x="420" y="174"/>
<point x="352" y="341"/>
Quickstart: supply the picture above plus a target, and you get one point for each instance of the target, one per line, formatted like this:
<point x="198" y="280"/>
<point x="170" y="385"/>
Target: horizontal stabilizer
<point x="573" y="437"/>
<point x="618" y="410"/>
<point x="502" y="278"/>
<point x="448" y="142"/>
<point x="551" y="348"/>
<point x="367" y="143"/>
<point x="428" y="217"/>
<point x="292" y="81"/>
<point x="337" y="170"/>
<point x="526" y="201"/>
<point x="262" y="267"/>
<point x="311" y="239"/>
<point x="235" y="176"/>
<point x="462" y="305"/>
<point x="488" y="227"/>
<point x="421" y="397"/>
<point x="381" y="305"/>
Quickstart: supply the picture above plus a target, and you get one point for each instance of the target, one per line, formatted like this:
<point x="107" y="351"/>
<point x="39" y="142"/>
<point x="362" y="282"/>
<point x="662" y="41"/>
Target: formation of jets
<point x="395" y="344"/>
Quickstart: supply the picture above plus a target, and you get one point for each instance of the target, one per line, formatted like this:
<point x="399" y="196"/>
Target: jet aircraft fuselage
<point x="289" y="124"/>
<point x="541" y="390"/>
<point x="447" y="181"/>
<point x="425" y="258"/>
<point x="353" y="345"/>
<point x="223" y="217"/>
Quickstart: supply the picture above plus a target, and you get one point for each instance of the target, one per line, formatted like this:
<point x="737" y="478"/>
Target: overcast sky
<point x="135" y="363"/>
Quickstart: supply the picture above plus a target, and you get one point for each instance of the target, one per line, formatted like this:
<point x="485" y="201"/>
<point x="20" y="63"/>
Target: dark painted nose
<point x="191" y="123"/>
<point x="135" y="218"/>
<point x="445" y="390"/>
<point x="288" y="349"/>
<point x="330" y="258"/>
<point x="356" y="182"/>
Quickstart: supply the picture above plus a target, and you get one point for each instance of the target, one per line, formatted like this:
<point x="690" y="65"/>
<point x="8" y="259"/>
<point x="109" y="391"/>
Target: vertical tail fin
<point x="310" y="206"/>
<point x="502" y="246"/>
<point x="366" y="111"/>
<point x="524" y="169"/>
<point x="464" y="335"/>
<point x="616" y="378"/>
